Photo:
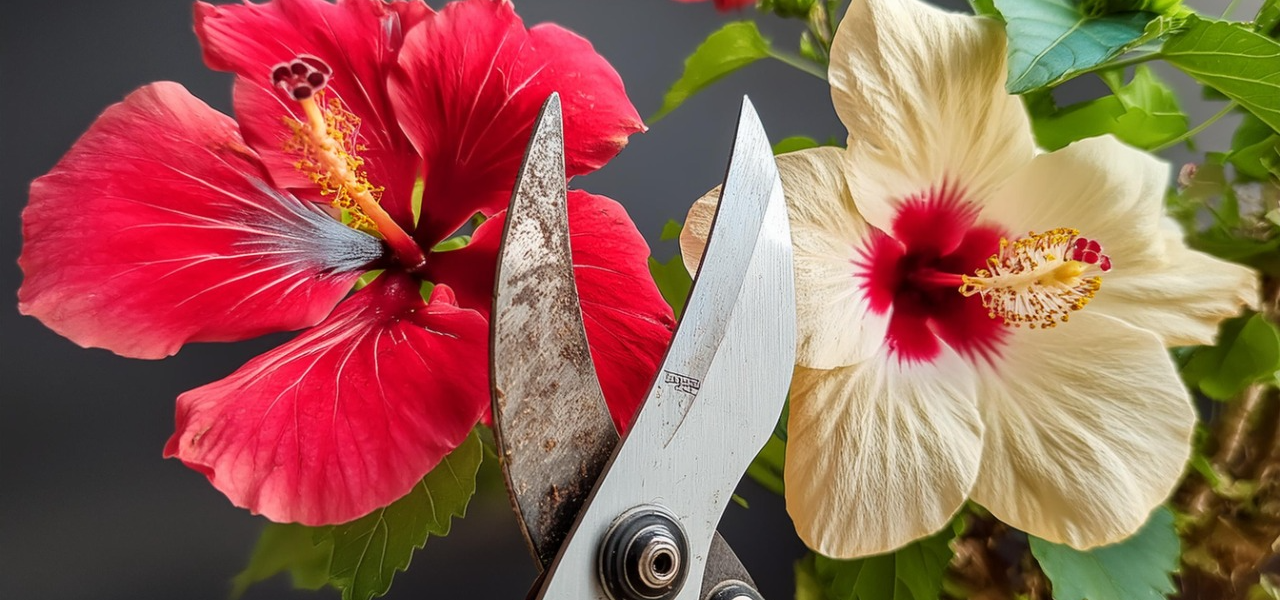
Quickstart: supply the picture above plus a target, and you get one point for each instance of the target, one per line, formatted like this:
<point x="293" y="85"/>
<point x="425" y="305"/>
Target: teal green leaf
<point x="1233" y="59"/>
<point x="733" y="47"/>
<point x="1138" y="568"/>
<point x="286" y="547"/>
<point x="1144" y="113"/>
<point x="1255" y="149"/>
<point x="368" y="552"/>
<point x="1051" y="40"/>
<point x="914" y="572"/>
<point x="1248" y="350"/>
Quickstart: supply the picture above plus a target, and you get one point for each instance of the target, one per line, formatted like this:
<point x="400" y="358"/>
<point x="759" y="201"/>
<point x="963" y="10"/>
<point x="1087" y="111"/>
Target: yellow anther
<point x="1038" y="280"/>
<point x="330" y="157"/>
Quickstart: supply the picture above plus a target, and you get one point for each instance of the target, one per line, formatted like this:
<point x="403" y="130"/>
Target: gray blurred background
<point x="89" y="510"/>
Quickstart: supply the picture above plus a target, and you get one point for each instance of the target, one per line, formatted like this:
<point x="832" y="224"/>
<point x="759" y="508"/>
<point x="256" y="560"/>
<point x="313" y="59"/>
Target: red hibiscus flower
<point x="368" y="133"/>
<point x="725" y="5"/>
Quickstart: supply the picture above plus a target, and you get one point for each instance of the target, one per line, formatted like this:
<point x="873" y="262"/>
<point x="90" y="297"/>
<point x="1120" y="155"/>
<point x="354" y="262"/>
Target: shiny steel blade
<point x="553" y="427"/>
<point x="721" y="387"/>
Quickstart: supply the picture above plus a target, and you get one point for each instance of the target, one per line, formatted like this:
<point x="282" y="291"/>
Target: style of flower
<point x="978" y="319"/>
<point x="368" y="133"/>
<point x="725" y="5"/>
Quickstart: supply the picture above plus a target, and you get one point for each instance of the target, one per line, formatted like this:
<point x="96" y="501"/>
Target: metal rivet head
<point x="644" y="556"/>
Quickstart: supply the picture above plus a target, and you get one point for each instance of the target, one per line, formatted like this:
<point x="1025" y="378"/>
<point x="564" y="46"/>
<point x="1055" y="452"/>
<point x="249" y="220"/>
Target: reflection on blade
<point x="552" y="424"/>
<point x="721" y="387"/>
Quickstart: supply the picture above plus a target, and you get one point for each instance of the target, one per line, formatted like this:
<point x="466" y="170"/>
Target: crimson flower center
<point x="946" y="280"/>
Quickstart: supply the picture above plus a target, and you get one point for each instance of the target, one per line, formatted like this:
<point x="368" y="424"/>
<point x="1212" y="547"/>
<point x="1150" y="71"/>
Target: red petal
<point x="628" y="323"/>
<point x="347" y="417"/>
<point x="157" y="229"/>
<point x="358" y="39"/>
<point x="470" y="84"/>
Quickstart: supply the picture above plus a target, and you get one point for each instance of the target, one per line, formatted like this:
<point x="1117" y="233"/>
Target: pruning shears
<point x="635" y="518"/>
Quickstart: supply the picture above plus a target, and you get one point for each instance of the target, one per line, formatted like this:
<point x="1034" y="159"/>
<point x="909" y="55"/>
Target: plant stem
<point x="1197" y="129"/>
<point x="799" y="63"/>
<point x="1121" y="63"/>
<point x="1230" y="8"/>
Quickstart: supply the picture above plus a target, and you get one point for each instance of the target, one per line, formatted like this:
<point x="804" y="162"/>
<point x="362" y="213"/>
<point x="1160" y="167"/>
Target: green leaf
<point x="1104" y="7"/>
<point x="1268" y="18"/>
<point x="985" y="8"/>
<point x="367" y="278"/>
<point x="795" y="143"/>
<point x="671" y="230"/>
<point x="1051" y="40"/>
<point x="914" y="572"/>
<point x="1144" y="113"/>
<point x="368" y="552"/>
<point x="1255" y="149"/>
<point x="733" y="47"/>
<point x="767" y="467"/>
<point x="1233" y="59"/>
<point x="1138" y="568"/>
<point x="672" y="278"/>
<point x="1248" y="350"/>
<point x="673" y="281"/>
<point x="454" y="243"/>
<point x="285" y="547"/>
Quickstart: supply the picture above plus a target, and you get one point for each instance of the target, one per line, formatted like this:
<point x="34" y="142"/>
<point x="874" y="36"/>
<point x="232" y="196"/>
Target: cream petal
<point x="1115" y="194"/>
<point x="880" y="453"/>
<point x="1088" y="429"/>
<point x="921" y="92"/>
<point x="1110" y="192"/>
<point x="697" y="227"/>
<point x="1181" y="297"/>
<point x="834" y="322"/>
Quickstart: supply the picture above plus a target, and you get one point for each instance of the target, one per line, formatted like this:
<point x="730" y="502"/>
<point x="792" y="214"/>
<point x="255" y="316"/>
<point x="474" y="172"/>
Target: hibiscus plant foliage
<point x="1035" y="359"/>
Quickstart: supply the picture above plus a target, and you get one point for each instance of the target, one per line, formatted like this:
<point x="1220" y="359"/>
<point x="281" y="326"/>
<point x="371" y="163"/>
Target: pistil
<point x="327" y="142"/>
<point x="1040" y="279"/>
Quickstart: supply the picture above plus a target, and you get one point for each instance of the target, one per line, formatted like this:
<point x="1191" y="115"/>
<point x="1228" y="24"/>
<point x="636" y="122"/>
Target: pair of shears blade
<point x="552" y="424"/>
<point x="719" y="391"/>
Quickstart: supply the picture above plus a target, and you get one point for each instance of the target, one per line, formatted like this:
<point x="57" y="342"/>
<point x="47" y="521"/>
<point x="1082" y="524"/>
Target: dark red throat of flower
<point x="917" y="274"/>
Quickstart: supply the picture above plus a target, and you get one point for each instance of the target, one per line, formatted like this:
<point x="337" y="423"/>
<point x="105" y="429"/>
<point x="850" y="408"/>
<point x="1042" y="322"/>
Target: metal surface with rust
<point x="721" y="387"/>
<point x="553" y="427"/>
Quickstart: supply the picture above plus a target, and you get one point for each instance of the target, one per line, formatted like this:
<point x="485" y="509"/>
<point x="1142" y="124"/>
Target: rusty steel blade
<point x="553" y="428"/>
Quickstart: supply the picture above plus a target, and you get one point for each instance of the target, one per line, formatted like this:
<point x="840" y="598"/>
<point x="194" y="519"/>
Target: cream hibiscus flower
<point x="943" y="268"/>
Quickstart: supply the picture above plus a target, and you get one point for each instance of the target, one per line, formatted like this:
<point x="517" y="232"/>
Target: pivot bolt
<point x="644" y="555"/>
